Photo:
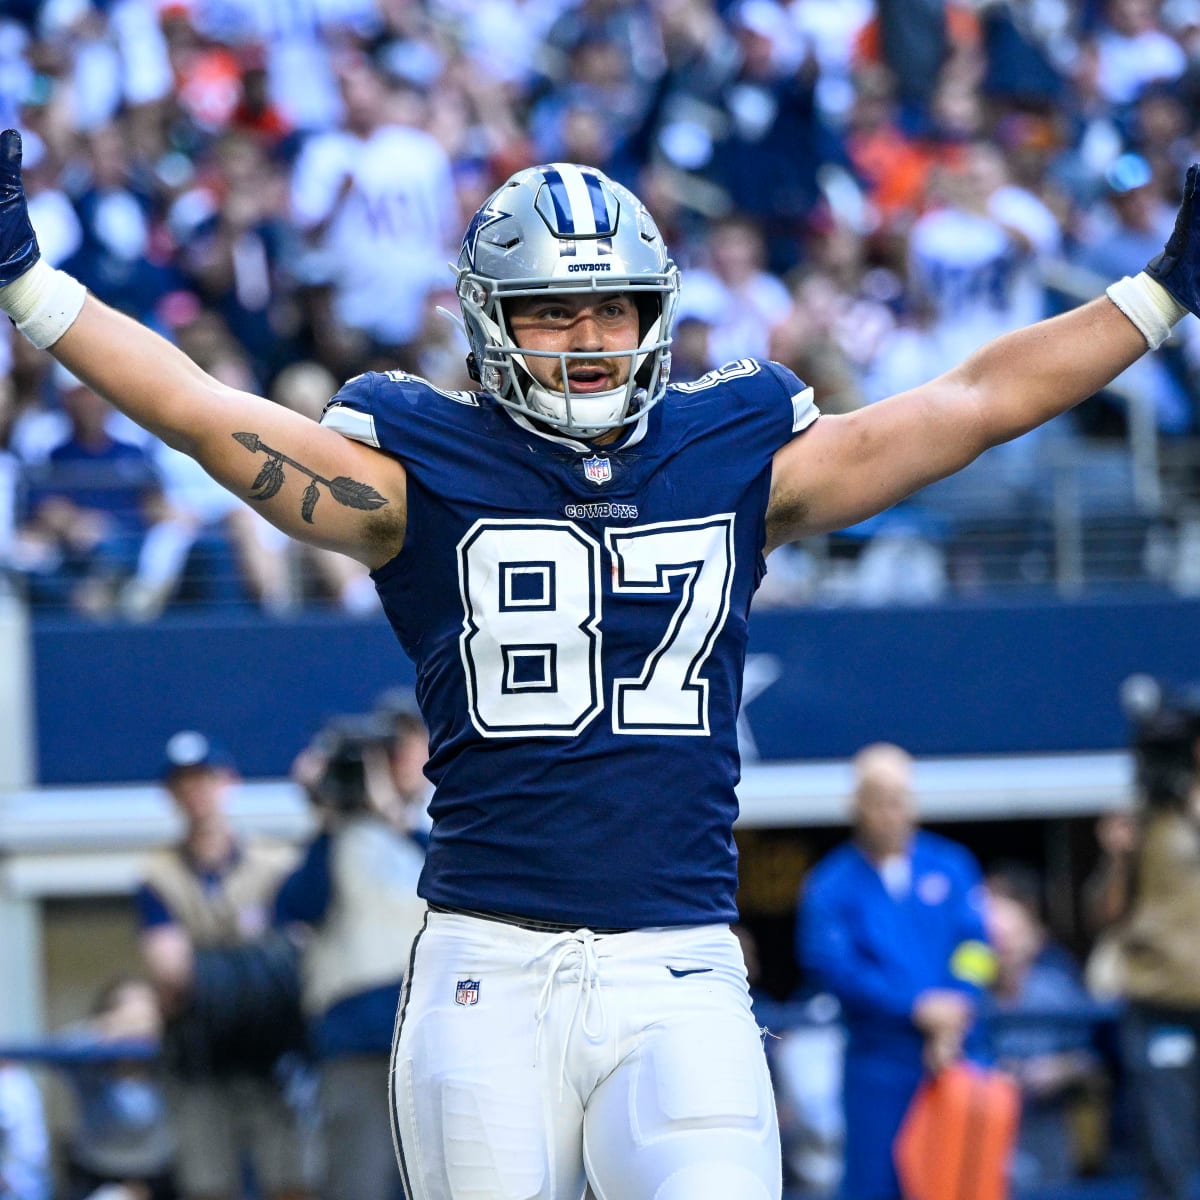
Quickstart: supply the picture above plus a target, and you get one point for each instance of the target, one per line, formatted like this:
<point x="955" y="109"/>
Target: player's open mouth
<point x="588" y="380"/>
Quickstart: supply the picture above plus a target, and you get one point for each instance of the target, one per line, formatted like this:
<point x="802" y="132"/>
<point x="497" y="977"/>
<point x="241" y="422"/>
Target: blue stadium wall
<point x="1017" y="678"/>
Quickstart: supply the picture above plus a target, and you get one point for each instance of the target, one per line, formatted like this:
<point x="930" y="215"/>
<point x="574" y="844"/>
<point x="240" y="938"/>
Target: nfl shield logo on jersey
<point x="467" y="992"/>
<point x="597" y="469"/>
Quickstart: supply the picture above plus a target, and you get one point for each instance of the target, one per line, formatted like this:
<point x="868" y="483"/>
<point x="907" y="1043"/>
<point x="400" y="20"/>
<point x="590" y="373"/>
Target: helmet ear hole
<point x="649" y="309"/>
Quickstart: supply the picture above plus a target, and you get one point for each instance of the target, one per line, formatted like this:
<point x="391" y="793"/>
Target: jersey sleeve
<point x="753" y="406"/>
<point x="403" y="415"/>
<point x="802" y="402"/>
<point x="353" y="410"/>
<point x="772" y="406"/>
<point x="764" y="401"/>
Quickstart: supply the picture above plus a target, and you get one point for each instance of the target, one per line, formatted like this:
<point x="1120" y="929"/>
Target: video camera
<point x="345" y="743"/>
<point x="1166" y="725"/>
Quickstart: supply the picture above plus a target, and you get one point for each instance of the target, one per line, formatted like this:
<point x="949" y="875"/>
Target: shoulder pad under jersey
<point x="758" y="385"/>
<point x="356" y="408"/>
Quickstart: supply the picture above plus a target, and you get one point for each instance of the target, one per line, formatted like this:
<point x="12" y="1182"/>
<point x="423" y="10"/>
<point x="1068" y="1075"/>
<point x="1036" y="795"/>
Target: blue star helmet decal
<point x="486" y="216"/>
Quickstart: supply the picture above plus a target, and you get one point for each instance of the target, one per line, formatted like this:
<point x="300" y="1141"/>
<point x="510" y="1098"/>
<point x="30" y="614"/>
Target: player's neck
<point x="607" y="438"/>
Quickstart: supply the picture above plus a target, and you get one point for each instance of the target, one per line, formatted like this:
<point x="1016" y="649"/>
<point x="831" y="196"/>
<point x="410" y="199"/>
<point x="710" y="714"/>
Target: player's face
<point x="577" y="324"/>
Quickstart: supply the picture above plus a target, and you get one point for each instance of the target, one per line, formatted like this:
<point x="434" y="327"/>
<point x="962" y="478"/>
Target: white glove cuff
<point x="43" y="303"/>
<point x="1148" y="305"/>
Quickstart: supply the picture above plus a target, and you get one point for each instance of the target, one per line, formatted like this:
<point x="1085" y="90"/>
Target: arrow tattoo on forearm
<point x="343" y="489"/>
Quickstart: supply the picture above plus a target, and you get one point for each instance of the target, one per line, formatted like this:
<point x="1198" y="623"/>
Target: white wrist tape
<point x="43" y="303"/>
<point x="1148" y="305"/>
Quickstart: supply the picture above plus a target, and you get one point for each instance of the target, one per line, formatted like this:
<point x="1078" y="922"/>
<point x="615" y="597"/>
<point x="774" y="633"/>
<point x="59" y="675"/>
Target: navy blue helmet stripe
<point x="599" y="208"/>
<point x="562" y="203"/>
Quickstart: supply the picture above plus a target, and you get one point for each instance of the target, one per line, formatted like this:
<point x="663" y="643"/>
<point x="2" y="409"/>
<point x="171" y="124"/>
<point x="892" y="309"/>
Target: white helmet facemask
<point x="564" y="229"/>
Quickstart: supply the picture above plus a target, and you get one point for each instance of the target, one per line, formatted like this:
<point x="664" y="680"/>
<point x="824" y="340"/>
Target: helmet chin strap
<point x="551" y="403"/>
<point x="606" y="409"/>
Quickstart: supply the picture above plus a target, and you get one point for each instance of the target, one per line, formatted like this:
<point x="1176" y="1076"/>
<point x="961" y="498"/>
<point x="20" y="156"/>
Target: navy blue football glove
<point x="18" y="244"/>
<point x="1177" y="268"/>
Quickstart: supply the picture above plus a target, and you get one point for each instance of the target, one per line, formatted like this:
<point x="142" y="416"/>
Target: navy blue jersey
<point x="577" y="617"/>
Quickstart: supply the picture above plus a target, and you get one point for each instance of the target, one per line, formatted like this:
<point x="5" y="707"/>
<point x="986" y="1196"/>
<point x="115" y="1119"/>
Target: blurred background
<point x="864" y="190"/>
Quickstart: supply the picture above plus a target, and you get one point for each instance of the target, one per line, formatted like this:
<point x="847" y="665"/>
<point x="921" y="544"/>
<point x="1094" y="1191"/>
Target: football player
<point x="568" y="554"/>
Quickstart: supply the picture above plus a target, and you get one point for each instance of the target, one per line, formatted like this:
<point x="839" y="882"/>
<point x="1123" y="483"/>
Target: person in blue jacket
<point x="891" y="923"/>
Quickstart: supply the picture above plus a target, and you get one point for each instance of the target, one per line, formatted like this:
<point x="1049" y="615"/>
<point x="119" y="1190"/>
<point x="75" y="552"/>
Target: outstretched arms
<point x="847" y="468"/>
<point x="309" y="481"/>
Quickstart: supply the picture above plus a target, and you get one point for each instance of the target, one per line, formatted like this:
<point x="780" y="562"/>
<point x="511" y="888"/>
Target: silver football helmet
<point x="564" y="228"/>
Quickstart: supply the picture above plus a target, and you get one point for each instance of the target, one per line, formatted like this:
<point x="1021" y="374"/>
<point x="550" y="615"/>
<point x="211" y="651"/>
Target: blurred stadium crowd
<point x="863" y="189"/>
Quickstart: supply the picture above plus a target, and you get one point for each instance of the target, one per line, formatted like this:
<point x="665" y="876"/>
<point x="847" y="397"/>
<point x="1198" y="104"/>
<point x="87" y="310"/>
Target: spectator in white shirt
<point x="371" y="197"/>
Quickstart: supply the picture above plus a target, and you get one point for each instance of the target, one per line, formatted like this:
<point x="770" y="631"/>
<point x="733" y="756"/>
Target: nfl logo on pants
<point x="467" y="992"/>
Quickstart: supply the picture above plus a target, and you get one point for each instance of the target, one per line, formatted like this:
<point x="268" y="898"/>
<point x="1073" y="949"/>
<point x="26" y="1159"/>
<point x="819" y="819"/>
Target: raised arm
<point x="847" y="468"/>
<point x="309" y="481"/>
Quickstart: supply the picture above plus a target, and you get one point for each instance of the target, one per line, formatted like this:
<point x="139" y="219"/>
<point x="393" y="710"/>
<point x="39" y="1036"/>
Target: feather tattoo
<point x="346" y="491"/>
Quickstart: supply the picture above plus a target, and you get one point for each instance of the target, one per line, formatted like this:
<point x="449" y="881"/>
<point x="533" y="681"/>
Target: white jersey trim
<point x="357" y="426"/>
<point x="639" y="432"/>
<point x="804" y="411"/>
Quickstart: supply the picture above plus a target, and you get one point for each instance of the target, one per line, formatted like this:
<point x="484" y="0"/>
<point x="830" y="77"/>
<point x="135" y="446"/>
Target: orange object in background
<point x="958" y="1136"/>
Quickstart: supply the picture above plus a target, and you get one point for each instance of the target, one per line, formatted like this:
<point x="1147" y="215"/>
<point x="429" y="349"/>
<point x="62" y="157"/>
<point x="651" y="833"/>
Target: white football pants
<point x="529" y="1066"/>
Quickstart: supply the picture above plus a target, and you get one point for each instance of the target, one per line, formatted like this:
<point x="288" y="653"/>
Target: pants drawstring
<point x="575" y="949"/>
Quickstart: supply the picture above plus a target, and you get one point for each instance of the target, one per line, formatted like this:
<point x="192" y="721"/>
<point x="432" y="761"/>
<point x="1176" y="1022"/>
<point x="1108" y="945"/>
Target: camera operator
<point x="1159" y="942"/>
<point x="353" y="902"/>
